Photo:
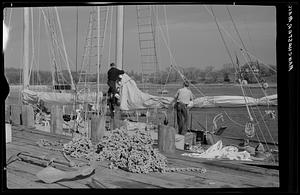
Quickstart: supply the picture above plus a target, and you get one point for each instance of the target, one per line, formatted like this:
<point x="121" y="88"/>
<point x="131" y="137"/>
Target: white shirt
<point x="184" y="95"/>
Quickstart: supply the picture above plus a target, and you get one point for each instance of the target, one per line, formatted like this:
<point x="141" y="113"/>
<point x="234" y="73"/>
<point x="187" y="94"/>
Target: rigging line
<point x="98" y="53"/>
<point x="169" y="71"/>
<point x="237" y="44"/>
<point x="250" y="40"/>
<point x="76" y="51"/>
<point x="222" y="37"/>
<point x="85" y="49"/>
<point x="38" y="45"/>
<point x="167" y="28"/>
<point x="259" y="126"/>
<point x="233" y="120"/>
<point x="234" y="25"/>
<point x="32" y="44"/>
<point x="185" y="79"/>
<point x="63" y="42"/>
<point x="241" y="42"/>
<point x="266" y="143"/>
<point x="103" y="40"/>
<point x="76" y="62"/>
<point x="111" y="20"/>
<point x="258" y="108"/>
<point x="56" y="49"/>
<point x="170" y="53"/>
<point x="251" y="119"/>
<point x="50" y="49"/>
<point x="268" y="130"/>
<point x="56" y="59"/>
<point x="164" y="85"/>
<point x="172" y="57"/>
<point x="158" y="48"/>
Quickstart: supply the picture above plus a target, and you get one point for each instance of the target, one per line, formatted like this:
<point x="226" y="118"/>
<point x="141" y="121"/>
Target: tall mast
<point x="119" y="36"/>
<point x="26" y="49"/>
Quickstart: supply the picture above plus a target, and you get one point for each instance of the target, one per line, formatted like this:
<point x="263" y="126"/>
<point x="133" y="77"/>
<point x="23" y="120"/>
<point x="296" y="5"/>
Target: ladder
<point x="147" y="42"/>
<point x="93" y="50"/>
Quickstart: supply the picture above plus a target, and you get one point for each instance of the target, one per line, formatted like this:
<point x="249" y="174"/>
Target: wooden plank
<point x="227" y="165"/>
<point x="24" y="176"/>
<point x="144" y="178"/>
<point x="123" y="181"/>
<point x="99" y="183"/>
<point x="194" y="180"/>
<point x="17" y="182"/>
<point x="112" y="178"/>
<point x="29" y="171"/>
<point x="241" y="180"/>
<point x="107" y="176"/>
<point x="218" y="172"/>
<point x="59" y="161"/>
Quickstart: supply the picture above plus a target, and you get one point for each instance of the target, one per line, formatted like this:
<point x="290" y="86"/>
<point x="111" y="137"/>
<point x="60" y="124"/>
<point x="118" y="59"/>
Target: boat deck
<point x="219" y="174"/>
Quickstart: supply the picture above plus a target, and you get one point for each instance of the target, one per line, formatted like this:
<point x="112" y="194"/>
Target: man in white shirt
<point x="182" y="98"/>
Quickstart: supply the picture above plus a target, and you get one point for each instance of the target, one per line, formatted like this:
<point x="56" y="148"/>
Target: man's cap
<point x="112" y="64"/>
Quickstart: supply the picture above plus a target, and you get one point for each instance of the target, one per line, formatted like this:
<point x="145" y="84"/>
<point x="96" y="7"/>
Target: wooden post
<point x="56" y="120"/>
<point x="7" y="113"/>
<point x="27" y="116"/>
<point x="16" y="114"/>
<point x="166" y="139"/>
<point x="97" y="127"/>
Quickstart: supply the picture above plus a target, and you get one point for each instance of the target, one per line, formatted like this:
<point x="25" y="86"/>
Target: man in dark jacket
<point x="113" y="77"/>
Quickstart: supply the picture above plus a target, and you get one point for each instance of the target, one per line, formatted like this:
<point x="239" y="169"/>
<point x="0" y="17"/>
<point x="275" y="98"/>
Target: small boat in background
<point x="163" y="91"/>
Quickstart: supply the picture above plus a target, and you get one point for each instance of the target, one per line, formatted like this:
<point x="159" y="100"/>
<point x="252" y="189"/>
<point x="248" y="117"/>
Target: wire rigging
<point x="250" y="116"/>
<point x="237" y="44"/>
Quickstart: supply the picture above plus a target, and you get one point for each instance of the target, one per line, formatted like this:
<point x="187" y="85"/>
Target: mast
<point x="26" y="49"/>
<point x="119" y="36"/>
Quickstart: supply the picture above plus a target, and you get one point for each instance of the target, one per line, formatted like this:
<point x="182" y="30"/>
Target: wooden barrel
<point x="97" y="127"/>
<point x="56" y="119"/>
<point x="166" y="139"/>
<point x="27" y="116"/>
<point x="16" y="111"/>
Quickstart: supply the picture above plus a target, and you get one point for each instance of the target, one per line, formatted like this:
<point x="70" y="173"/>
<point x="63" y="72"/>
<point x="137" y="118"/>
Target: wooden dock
<point x="220" y="173"/>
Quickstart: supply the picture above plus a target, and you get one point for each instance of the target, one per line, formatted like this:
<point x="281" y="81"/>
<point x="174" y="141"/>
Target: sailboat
<point x="134" y="99"/>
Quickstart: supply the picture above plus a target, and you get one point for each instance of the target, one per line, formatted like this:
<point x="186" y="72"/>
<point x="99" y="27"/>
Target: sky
<point x="194" y="39"/>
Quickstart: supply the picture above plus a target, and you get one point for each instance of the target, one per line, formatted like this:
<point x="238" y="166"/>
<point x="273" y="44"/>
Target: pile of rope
<point x="129" y="152"/>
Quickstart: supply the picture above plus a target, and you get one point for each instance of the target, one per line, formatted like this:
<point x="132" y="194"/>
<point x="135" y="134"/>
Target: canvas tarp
<point x="133" y="98"/>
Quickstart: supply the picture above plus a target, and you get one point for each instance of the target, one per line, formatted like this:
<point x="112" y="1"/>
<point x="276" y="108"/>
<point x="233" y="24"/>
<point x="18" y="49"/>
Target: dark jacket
<point x="113" y="74"/>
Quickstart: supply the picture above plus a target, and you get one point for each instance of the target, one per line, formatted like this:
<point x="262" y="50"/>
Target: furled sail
<point x="133" y="98"/>
<point x="33" y="97"/>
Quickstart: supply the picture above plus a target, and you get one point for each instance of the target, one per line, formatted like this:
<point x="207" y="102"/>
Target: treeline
<point x="209" y="74"/>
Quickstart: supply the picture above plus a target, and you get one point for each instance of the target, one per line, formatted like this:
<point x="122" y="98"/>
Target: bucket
<point x="8" y="132"/>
